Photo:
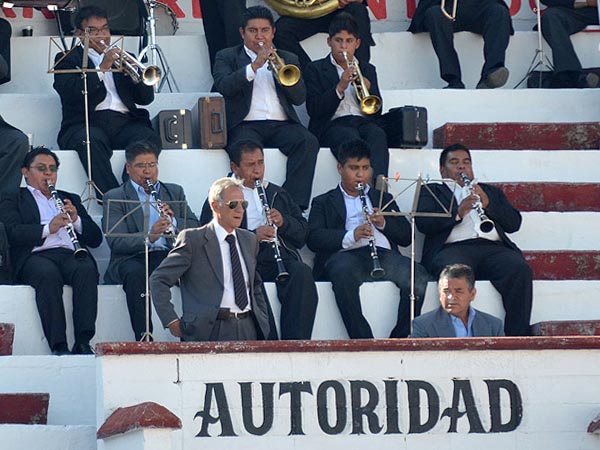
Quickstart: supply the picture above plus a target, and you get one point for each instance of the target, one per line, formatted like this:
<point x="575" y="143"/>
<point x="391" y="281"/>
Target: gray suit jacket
<point x="437" y="324"/>
<point x="124" y="248"/>
<point x="196" y="263"/>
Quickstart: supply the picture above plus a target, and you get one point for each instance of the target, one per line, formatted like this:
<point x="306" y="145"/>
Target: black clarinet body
<point x="170" y="233"/>
<point x="378" y="271"/>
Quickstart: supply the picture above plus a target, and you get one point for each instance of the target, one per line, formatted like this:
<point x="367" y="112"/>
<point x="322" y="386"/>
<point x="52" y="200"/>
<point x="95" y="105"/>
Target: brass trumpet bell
<point x="288" y="75"/>
<point x="370" y="105"/>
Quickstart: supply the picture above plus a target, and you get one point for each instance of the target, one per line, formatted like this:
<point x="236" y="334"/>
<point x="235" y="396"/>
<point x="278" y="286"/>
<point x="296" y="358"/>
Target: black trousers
<point x="13" y="148"/>
<point x="290" y="31"/>
<point x="298" y="297"/>
<point x="5" y="35"/>
<point x="47" y="272"/>
<point x="221" y="20"/>
<point x="558" y="24"/>
<point x="347" y="128"/>
<point x="293" y="140"/>
<point x="347" y="270"/>
<point x="133" y="274"/>
<point x="506" y="269"/>
<point x="487" y="18"/>
<point x="109" y="130"/>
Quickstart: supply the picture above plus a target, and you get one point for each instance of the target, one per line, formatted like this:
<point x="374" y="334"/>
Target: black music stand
<point x="144" y="207"/>
<point x="418" y="183"/>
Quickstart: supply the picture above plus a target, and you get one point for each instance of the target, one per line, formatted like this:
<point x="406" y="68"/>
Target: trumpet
<point x="369" y="104"/>
<point x="137" y="71"/>
<point x="170" y="233"/>
<point x="282" y="273"/>
<point x="79" y="251"/>
<point x="451" y="16"/>
<point x="486" y="224"/>
<point x="378" y="271"/>
<point x="286" y="74"/>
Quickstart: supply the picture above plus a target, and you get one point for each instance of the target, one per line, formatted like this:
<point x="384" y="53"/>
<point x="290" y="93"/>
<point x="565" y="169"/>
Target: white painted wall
<point x="47" y="437"/>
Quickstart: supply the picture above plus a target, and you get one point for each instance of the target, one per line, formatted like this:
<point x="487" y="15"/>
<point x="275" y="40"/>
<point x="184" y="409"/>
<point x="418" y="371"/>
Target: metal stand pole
<point x="90" y="186"/>
<point x="147" y="336"/>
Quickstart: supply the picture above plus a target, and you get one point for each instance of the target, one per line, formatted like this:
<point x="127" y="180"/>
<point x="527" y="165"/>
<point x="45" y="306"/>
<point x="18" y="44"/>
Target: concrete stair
<point x="567" y="328"/>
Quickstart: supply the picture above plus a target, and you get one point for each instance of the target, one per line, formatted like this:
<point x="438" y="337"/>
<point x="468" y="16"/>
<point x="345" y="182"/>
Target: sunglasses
<point x="232" y="204"/>
<point x="44" y="167"/>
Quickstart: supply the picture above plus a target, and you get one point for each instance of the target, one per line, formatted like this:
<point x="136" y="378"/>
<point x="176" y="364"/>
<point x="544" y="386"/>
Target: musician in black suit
<point x="298" y="294"/>
<point x="115" y="120"/>
<point x="5" y="35"/>
<point x="42" y="252"/>
<point x="260" y="108"/>
<point x="335" y="112"/>
<point x="489" y="18"/>
<point x="560" y="20"/>
<point x="459" y="240"/>
<point x="13" y="147"/>
<point x="221" y="21"/>
<point x="293" y="30"/>
<point x="339" y="235"/>
<point x="127" y="258"/>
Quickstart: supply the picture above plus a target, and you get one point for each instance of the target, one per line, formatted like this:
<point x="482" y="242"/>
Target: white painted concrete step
<point x="47" y="437"/>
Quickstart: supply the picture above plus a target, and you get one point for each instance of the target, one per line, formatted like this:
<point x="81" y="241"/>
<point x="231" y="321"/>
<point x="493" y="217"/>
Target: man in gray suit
<point x="216" y="268"/>
<point x="125" y="214"/>
<point x="456" y="317"/>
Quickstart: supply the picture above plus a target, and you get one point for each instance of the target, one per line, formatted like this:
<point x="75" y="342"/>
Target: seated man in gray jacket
<point x="456" y="317"/>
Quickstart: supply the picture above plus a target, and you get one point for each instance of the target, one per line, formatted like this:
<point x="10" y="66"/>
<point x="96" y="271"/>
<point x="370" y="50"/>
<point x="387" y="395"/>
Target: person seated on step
<point x="48" y="250"/>
<point x="336" y="115"/>
<point x="14" y="145"/>
<point x="455" y="317"/>
<point x="560" y="20"/>
<point x="489" y="18"/>
<point x="350" y="246"/>
<point x="260" y="107"/>
<point x="125" y="209"/>
<point x="115" y="120"/>
<point x="293" y="30"/>
<point x="5" y="35"/>
<point x="475" y="234"/>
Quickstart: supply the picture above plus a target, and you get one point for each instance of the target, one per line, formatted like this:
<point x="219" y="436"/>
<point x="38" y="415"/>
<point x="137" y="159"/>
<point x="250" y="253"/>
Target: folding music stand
<point x="418" y="183"/>
<point x="145" y="235"/>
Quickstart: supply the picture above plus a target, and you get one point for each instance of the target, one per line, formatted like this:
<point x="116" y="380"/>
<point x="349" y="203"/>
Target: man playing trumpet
<point x="115" y="120"/>
<point x="260" y="105"/>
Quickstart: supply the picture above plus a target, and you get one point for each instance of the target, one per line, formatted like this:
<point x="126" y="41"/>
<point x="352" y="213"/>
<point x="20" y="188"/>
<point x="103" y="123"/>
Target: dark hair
<point x="87" y="12"/>
<point x="459" y="271"/>
<point x="452" y="148"/>
<point x="30" y="156"/>
<point x="343" y="22"/>
<point x="238" y="148"/>
<point x="139" y="148"/>
<point x="356" y="148"/>
<point x="257" y="12"/>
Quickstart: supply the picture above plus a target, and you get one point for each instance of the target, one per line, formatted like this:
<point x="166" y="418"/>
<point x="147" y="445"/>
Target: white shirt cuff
<point x="250" y="75"/>
<point x="348" y="240"/>
<point x="78" y="225"/>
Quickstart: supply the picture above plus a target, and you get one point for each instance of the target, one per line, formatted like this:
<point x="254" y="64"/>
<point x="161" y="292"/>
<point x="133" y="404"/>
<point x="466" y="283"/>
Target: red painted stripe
<point x="560" y="197"/>
<point x="564" y="265"/>
<point x="27" y="409"/>
<point x="7" y="336"/>
<point x="567" y="328"/>
<point x="520" y="136"/>
<point x="143" y="415"/>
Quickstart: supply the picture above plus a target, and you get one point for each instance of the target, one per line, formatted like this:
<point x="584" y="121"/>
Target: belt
<point x="226" y="314"/>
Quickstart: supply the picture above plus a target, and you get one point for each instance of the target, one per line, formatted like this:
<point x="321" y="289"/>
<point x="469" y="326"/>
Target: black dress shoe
<point x="455" y="85"/>
<point x="495" y="79"/>
<point x="60" y="349"/>
<point x="82" y="349"/>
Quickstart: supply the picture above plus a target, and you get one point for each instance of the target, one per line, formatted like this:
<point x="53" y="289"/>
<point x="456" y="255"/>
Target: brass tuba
<point x="304" y="9"/>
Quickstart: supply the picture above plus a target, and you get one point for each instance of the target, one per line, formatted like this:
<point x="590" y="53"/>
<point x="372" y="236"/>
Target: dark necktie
<point x="239" y="284"/>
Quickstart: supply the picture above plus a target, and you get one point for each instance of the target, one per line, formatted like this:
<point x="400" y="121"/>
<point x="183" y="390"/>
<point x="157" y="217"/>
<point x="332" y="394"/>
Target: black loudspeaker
<point x="125" y="17"/>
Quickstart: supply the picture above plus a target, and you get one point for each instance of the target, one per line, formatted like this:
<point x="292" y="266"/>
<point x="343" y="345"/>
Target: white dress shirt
<point x="112" y="100"/>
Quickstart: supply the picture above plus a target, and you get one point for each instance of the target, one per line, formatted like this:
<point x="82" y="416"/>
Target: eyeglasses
<point x="142" y="166"/>
<point x="97" y="31"/>
<point x="44" y="168"/>
<point x="232" y="204"/>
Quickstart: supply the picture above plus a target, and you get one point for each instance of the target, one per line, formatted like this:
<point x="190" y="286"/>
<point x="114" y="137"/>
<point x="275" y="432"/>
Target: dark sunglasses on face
<point x="44" y="167"/>
<point x="232" y="204"/>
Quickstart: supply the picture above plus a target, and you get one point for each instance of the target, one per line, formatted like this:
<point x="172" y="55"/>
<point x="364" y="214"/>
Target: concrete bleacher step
<point x="7" y="336"/>
<point x="520" y="135"/>
<point x="566" y="328"/>
<point x="564" y="265"/>
<point x="561" y="197"/>
<point x="47" y="437"/>
<point x="26" y="408"/>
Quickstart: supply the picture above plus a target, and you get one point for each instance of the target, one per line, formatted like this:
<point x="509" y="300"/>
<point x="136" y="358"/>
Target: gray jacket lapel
<point x="213" y="252"/>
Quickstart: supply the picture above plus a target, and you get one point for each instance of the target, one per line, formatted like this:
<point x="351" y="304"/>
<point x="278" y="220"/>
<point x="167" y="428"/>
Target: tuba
<point x="304" y="9"/>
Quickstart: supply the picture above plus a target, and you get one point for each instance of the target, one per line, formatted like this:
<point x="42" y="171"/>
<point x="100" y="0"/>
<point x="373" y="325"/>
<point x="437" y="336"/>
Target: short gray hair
<point x="215" y="194"/>
<point x="459" y="271"/>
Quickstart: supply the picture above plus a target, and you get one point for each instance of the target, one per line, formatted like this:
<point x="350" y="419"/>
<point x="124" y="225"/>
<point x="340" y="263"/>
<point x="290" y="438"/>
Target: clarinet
<point x="170" y="232"/>
<point x="486" y="224"/>
<point x="282" y="273"/>
<point x="378" y="271"/>
<point x="79" y="251"/>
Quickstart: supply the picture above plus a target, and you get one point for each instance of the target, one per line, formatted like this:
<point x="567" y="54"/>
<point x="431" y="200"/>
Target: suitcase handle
<point x="171" y="135"/>
<point x="216" y="122"/>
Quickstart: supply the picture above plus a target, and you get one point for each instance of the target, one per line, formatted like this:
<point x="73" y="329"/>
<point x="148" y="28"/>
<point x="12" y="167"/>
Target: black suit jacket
<point x="70" y="87"/>
<point x="292" y="234"/>
<point x="321" y="99"/>
<point x="327" y="226"/>
<point x="437" y="229"/>
<point x="229" y="73"/>
<point x="21" y="218"/>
